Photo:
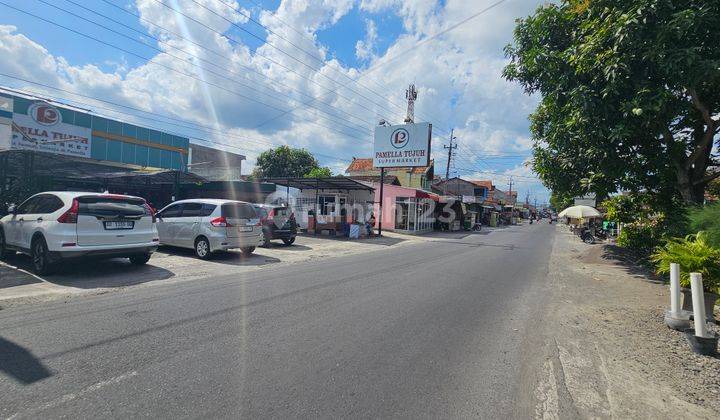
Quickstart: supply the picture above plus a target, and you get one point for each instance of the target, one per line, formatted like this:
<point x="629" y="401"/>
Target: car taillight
<point x="149" y="211"/>
<point x="220" y="222"/>
<point x="71" y="215"/>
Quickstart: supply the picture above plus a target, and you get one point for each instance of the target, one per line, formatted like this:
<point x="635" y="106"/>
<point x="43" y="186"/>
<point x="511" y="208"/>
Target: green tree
<point x="323" y="172"/>
<point x="560" y="202"/>
<point x="629" y="94"/>
<point x="284" y="161"/>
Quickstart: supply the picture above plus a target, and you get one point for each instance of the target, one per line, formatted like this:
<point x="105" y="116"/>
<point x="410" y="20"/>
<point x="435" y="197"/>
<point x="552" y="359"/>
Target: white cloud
<point x="364" y="49"/>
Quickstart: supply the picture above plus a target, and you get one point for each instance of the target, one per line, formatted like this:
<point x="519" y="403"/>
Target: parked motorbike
<point x="587" y="236"/>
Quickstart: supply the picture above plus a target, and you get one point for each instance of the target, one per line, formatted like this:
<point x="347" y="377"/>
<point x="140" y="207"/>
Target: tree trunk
<point x="691" y="194"/>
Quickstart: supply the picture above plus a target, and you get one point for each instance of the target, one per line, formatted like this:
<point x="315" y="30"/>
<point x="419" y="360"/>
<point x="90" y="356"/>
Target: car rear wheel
<point x="140" y="259"/>
<point x="289" y="241"/>
<point x="248" y="250"/>
<point x="4" y="252"/>
<point x="40" y="260"/>
<point x="202" y="248"/>
<point x="266" y="240"/>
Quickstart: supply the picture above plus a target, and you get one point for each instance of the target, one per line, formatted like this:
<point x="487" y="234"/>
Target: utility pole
<point x="510" y="184"/>
<point x="450" y="149"/>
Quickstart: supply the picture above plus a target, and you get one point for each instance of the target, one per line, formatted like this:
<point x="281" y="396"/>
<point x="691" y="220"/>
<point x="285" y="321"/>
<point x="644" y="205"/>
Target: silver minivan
<point x="210" y="225"/>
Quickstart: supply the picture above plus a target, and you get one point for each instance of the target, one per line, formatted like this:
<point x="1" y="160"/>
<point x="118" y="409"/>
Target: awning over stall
<point x="333" y="183"/>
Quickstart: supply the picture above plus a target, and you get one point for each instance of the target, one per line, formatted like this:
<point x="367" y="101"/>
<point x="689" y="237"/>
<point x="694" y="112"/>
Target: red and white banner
<point x="43" y="129"/>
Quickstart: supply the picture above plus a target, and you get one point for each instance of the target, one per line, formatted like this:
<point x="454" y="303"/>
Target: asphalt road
<point x="437" y="329"/>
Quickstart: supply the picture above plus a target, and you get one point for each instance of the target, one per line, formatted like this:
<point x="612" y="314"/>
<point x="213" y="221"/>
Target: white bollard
<point x="674" y="288"/>
<point x="698" y="298"/>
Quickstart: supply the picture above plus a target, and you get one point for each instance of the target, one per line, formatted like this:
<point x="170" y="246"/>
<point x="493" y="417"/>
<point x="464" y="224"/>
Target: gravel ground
<point x="609" y="353"/>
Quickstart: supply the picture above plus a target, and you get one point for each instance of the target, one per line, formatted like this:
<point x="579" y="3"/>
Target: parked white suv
<point x="209" y="225"/>
<point x="56" y="225"/>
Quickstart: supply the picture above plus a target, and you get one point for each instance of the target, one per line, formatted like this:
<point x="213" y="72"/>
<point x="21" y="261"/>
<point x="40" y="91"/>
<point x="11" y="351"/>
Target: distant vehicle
<point x="278" y="222"/>
<point x="54" y="226"/>
<point x="210" y="225"/>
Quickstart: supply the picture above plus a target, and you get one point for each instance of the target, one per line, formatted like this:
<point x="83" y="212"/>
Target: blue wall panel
<point x="128" y="153"/>
<point x="98" y="148"/>
<point x="154" y="157"/>
<point x="141" y="155"/>
<point x="114" y="150"/>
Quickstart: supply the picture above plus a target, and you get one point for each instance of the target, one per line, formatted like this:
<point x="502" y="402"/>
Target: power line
<point x="193" y="125"/>
<point x="361" y="130"/>
<point x="263" y="41"/>
<point x="236" y="42"/>
<point x="191" y="54"/>
<point x="149" y="61"/>
<point x="309" y="54"/>
<point x="377" y="65"/>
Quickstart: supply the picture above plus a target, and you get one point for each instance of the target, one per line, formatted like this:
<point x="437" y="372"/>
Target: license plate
<point x="244" y="228"/>
<point x="119" y="225"/>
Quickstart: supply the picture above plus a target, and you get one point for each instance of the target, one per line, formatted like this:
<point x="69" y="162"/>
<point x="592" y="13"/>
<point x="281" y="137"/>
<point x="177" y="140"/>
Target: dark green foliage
<point x="628" y="93"/>
<point x="284" y="162"/>
<point x="707" y="218"/>
<point x="694" y="254"/>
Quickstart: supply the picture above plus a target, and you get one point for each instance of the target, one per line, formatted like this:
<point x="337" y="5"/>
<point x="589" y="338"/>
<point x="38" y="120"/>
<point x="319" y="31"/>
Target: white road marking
<point x="74" y="395"/>
<point x="23" y="271"/>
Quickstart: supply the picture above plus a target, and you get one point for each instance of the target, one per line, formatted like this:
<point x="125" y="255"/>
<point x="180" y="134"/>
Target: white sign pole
<point x="698" y="298"/>
<point x="674" y="288"/>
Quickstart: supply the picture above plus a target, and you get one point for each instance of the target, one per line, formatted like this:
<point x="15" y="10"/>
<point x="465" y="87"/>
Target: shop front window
<point x="326" y="204"/>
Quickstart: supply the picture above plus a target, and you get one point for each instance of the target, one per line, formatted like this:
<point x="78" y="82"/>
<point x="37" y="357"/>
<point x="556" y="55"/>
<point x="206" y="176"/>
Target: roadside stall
<point x="328" y="206"/>
<point x="583" y="220"/>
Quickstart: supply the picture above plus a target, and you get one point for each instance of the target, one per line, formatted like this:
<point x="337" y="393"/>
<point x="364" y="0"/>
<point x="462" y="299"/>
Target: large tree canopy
<point x="629" y="94"/>
<point x="284" y="162"/>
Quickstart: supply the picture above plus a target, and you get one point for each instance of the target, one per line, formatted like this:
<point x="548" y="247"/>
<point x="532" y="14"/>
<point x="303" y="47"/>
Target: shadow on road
<point x="232" y="257"/>
<point x="282" y="247"/>
<point x="621" y="257"/>
<point x="91" y="273"/>
<point x="10" y="276"/>
<point x="20" y="364"/>
<point x="375" y="240"/>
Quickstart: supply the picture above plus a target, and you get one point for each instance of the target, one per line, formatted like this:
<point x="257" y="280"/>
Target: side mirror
<point x="12" y="209"/>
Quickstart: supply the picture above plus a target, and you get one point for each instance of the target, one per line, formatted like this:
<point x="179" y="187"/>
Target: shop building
<point x="405" y="210"/>
<point x="46" y="144"/>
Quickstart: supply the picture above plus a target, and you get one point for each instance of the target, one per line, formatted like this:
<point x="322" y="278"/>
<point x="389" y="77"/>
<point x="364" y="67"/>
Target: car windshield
<point x="111" y="206"/>
<point x="238" y="211"/>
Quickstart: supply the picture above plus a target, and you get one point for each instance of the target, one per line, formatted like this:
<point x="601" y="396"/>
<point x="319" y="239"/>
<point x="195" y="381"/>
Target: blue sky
<point x="458" y="74"/>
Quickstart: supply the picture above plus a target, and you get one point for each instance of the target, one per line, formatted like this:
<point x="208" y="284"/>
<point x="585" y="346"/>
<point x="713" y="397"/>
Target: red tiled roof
<point x="360" y="165"/>
<point x="483" y="183"/>
<point x="366" y="165"/>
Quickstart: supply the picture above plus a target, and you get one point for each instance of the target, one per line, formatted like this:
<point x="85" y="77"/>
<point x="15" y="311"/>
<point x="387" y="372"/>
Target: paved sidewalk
<point x="608" y="352"/>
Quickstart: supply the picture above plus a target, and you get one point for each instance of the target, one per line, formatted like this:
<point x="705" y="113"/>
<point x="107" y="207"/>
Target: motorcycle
<point x="476" y="227"/>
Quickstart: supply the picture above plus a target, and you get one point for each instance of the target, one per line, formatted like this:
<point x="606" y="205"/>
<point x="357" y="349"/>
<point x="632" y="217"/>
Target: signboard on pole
<point x="43" y="129"/>
<point x="404" y="145"/>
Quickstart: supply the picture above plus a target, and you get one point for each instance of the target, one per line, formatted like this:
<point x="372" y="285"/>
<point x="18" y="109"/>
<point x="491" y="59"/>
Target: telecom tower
<point x="411" y="96"/>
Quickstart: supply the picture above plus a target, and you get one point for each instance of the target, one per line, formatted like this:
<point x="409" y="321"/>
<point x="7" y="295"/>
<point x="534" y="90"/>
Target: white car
<point x="210" y="225"/>
<point x="56" y="225"/>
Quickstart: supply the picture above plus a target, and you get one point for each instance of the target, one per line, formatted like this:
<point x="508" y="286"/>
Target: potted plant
<point x="694" y="254"/>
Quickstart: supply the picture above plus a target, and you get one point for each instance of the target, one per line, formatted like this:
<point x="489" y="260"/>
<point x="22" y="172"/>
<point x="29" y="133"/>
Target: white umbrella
<point x="579" y="212"/>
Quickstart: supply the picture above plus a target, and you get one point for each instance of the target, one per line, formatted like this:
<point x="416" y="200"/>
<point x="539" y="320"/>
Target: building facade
<point x="32" y="123"/>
